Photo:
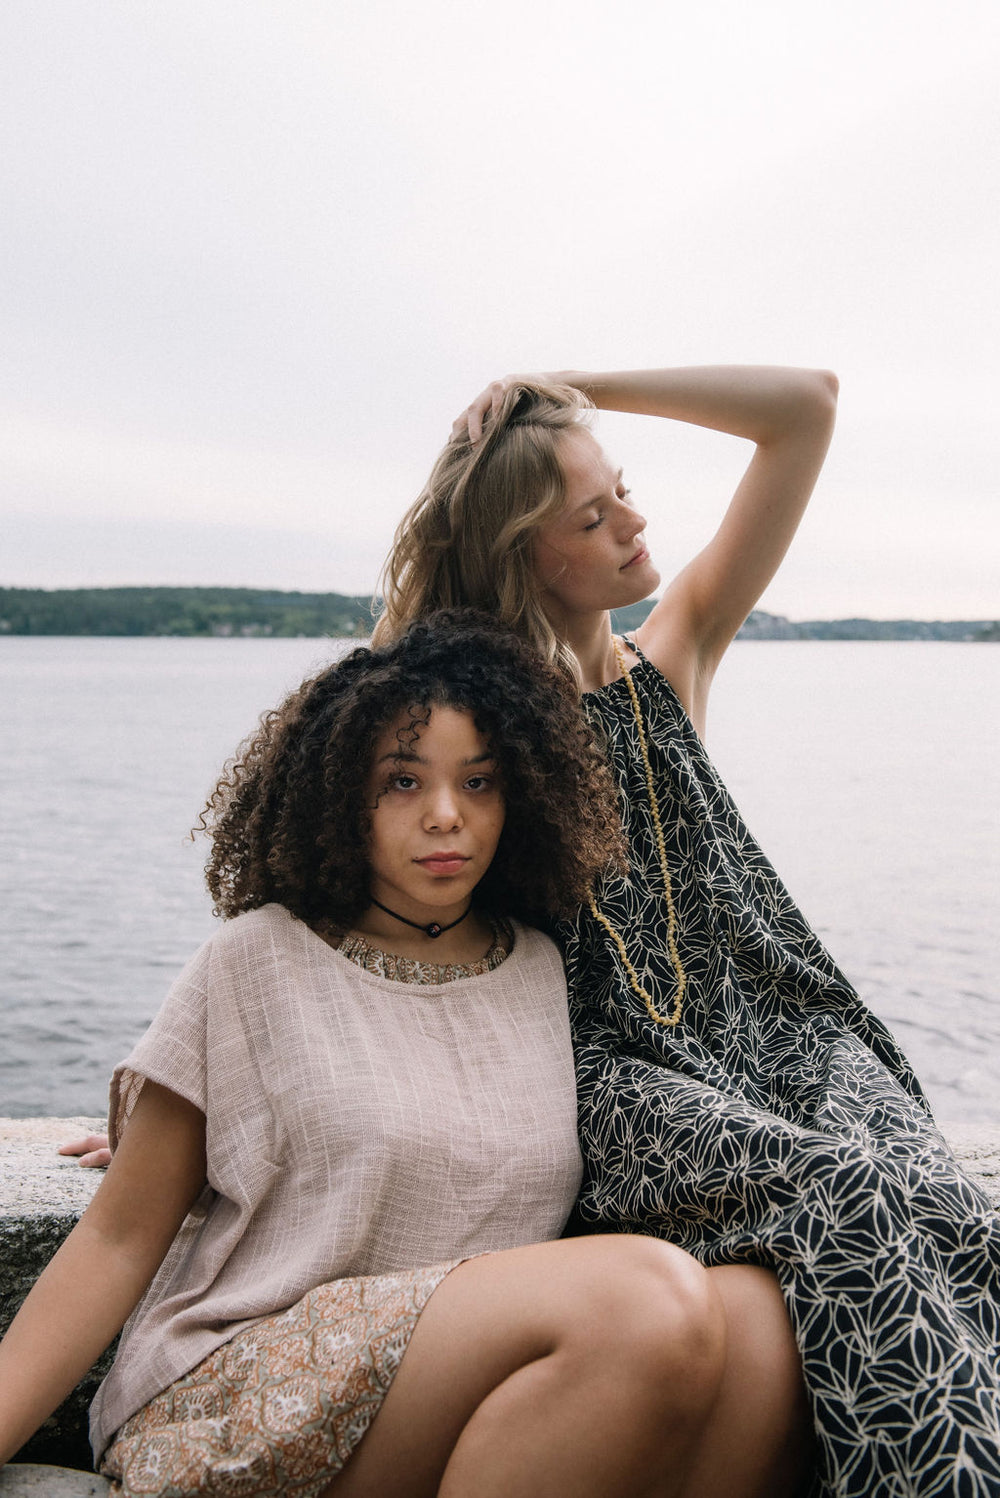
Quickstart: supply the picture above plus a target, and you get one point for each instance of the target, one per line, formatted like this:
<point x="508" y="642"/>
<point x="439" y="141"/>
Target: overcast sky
<point x="257" y="256"/>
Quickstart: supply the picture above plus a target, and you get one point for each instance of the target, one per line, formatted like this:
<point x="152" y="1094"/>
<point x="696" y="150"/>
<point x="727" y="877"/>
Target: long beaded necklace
<point x="673" y="1018"/>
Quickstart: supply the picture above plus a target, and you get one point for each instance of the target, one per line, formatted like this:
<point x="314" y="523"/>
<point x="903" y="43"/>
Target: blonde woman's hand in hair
<point x="93" y="1151"/>
<point x="487" y="402"/>
<point x="470" y="423"/>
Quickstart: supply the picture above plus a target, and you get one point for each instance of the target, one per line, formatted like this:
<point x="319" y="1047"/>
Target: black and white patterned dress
<point x="779" y="1124"/>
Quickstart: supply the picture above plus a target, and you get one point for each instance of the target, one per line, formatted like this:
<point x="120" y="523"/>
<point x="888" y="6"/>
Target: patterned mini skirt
<point x="279" y="1408"/>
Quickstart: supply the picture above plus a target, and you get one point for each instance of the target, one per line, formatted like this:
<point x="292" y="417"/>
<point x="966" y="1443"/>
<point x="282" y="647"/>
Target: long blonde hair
<point x="467" y="539"/>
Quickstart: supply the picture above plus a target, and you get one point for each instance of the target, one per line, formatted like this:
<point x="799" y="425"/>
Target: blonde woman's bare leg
<point x="758" y="1442"/>
<point x="586" y="1368"/>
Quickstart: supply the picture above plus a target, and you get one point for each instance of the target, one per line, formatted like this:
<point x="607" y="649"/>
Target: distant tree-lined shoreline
<point x="206" y="613"/>
<point x="196" y="612"/>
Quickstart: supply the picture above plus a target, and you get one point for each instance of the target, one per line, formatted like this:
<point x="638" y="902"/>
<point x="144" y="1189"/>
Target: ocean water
<point x="869" y="772"/>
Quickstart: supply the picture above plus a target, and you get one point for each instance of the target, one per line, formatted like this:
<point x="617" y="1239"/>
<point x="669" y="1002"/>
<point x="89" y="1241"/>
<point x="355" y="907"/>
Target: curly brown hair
<point x="289" y="821"/>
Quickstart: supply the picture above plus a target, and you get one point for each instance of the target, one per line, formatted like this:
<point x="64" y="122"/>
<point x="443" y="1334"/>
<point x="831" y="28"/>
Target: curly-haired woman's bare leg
<point x="759" y="1441"/>
<point x="586" y="1368"/>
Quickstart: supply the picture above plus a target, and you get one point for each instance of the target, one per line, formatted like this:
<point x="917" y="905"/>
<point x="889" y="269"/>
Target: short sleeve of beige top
<point x="354" y="1126"/>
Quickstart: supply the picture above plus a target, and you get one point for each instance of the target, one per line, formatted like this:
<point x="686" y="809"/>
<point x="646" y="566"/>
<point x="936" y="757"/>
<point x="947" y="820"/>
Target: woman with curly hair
<point x="346" y="1146"/>
<point x="736" y="1096"/>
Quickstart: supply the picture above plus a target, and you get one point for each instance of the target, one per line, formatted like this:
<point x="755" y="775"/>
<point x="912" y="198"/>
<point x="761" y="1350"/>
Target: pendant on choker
<point x="433" y="929"/>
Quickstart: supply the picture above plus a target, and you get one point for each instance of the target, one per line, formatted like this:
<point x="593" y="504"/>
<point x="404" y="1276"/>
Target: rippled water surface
<point x="870" y="773"/>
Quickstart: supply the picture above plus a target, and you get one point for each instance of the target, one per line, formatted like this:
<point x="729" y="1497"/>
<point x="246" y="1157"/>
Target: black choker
<point x="433" y="929"/>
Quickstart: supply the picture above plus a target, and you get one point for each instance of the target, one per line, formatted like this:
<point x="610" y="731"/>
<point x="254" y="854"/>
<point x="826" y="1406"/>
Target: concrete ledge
<point x="42" y="1194"/>
<point x="977" y="1150"/>
<point x="25" y="1480"/>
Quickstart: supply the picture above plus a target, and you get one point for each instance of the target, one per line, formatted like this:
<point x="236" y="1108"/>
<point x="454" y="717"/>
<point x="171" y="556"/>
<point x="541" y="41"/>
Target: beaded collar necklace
<point x="420" y="971"/>
<point x="673" y="1018"/>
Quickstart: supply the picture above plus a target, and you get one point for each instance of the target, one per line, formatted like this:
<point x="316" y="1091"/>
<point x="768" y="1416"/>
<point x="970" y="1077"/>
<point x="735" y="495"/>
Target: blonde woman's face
<point x="591" y="556"/>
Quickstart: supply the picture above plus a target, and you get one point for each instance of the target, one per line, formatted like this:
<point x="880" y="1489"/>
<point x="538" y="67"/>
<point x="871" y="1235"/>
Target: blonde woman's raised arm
<point x="789" y="415"/>
<point x="87" y="1292"/>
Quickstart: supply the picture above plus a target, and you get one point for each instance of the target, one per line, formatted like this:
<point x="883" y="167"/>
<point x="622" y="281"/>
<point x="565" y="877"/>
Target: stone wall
<point x="42" y="1194"/>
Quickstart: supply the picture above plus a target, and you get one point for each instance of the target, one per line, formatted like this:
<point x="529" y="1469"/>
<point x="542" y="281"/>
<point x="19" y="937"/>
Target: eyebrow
<point x="408" y="757"/>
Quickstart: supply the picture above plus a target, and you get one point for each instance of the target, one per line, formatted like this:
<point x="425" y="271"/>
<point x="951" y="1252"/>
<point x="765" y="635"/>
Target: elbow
<point x="819" y="398"/>
<point x="829" y="386"/>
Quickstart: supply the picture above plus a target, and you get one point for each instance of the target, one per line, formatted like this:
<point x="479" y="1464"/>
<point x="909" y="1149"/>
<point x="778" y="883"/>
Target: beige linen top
<point x="354" y="1126"/>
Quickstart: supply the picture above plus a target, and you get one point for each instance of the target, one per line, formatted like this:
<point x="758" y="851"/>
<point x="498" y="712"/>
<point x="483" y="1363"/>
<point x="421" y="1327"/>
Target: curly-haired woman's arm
<point x="88" y="1290"/>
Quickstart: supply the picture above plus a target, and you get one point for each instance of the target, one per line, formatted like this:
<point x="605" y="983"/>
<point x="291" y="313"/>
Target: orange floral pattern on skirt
<point x="279" y="1408"/>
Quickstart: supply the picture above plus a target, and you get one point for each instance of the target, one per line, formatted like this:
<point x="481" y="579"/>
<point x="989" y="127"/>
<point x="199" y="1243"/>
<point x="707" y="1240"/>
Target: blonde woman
<point x="736" y="1096"/>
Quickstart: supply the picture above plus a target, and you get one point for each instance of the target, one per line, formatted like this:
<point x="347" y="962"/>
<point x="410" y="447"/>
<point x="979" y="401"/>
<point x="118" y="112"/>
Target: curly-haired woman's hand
<point x="93" y="1151"/>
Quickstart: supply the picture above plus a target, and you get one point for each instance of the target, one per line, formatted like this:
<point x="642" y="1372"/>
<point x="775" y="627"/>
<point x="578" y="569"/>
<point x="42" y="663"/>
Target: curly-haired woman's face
<point x="438" y="812"/>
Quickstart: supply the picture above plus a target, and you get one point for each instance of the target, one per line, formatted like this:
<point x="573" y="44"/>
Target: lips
<point x="443" y="863"/>
<point x="640" y="556"/>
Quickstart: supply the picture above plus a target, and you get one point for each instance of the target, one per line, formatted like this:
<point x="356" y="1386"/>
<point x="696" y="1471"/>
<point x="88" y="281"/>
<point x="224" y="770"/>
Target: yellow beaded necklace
<point x="673" y="1017"/>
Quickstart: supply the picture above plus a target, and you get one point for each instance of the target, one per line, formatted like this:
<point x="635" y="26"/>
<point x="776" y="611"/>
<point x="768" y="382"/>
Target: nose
<point x="632" y="523"/>
<point x="442" y="812"/>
